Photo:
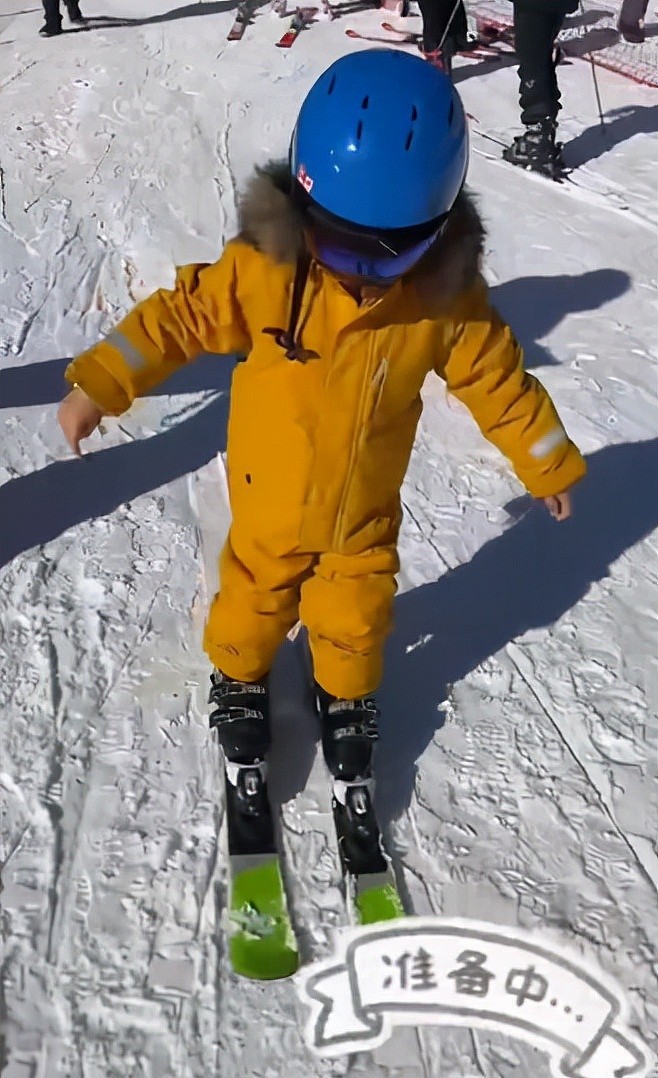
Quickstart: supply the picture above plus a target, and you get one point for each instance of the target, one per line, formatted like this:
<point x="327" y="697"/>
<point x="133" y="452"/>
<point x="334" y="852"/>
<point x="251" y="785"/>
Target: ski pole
<point x="594" y="78"/>
<point x="452" y="15"/>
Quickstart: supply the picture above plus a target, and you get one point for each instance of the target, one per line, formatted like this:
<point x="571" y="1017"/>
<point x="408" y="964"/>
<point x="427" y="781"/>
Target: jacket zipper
<point x="357" y="438"/>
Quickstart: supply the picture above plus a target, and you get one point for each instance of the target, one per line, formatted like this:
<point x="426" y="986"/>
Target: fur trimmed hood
<point x="270" y="222"/>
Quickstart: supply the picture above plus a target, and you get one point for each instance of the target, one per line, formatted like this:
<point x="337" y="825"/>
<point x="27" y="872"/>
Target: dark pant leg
<point x="53" y="17"/>
<point x="535" y="31"/>
<point x="442" y="19"/>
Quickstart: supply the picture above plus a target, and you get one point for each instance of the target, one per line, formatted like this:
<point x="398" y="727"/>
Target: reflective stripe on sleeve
<point x="132" y="356"/>
<point x="548" y="443"/>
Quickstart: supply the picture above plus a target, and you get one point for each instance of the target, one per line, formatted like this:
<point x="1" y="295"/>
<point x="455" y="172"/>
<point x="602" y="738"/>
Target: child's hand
<point x="559" y="505"/>
<point x="78" y="416"/>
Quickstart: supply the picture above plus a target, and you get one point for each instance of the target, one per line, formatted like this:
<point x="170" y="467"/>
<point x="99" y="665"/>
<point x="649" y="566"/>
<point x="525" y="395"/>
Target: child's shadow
<point x="37" y="507"/>
<point x="526" y="578"/>
<point x="534" y="306"/>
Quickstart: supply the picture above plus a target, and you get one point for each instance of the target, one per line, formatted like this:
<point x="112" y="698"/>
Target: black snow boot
<point x="241" y="718"/>
<point x="349" y="731"/>
<point x="50" y="29"/>
<point x="537" y="149"/>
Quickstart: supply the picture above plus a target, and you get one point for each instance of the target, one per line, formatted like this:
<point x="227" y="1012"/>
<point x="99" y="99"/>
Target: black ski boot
<point x="51" y="29"/>
<point x="241" y="718"/>
<point x="349" y="731"/>
<point x="537" y="150"/>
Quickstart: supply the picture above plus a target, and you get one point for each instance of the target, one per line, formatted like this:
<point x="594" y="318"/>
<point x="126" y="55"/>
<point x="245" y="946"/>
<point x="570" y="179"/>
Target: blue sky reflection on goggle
<point x="384" y="267"/>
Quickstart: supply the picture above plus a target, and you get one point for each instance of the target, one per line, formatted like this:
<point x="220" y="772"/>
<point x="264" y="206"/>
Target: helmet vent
<point x="359" y="130"/>
<point x="365" y="102"/>
<point x="331" y="86"/>
<point x="414" y="113"/>
<point x="408" y="142"/>
<point x="451" y="112"/>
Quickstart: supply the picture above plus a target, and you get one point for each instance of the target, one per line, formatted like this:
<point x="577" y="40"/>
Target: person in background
<point x="537" y="24"/>
<point x="631" y="20"/>
<point x="445" y="31"/>
<point x="53" y="24"/>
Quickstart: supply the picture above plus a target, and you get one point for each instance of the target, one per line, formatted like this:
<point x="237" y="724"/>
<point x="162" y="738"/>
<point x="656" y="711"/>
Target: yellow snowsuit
<point x="317" y="450"/>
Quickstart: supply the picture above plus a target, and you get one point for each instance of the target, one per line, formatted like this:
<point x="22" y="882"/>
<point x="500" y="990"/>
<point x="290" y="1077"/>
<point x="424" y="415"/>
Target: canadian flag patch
<point x="304" y="179"/>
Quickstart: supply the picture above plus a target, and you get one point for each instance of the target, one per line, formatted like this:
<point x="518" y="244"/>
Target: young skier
<point x="356" y="271"/>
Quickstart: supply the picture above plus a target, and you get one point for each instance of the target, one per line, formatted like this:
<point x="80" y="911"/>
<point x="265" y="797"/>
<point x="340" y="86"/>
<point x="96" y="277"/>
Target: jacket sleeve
<point x="484" y="369"/>
<point x="201" y="313"/>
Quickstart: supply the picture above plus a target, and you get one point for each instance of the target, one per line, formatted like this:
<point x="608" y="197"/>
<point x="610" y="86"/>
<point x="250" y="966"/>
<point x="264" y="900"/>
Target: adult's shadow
<point x="526" y="578"/>
<point x="596" y="39"/>
<point x="483" y="67"/>
<point x="39" y="506"/>
<point x="187" y="11"/>
<point x="620" y="125"/>
<point x="534" y="306"/>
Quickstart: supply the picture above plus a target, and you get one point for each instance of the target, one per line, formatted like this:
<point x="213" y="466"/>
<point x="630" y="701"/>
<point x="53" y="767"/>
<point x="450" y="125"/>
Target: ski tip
<point x="260" y="960"/>
<point x="381" y="903"/>
<point x="261" y="940"/>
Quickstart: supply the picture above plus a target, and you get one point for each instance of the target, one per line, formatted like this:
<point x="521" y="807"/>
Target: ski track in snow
<point x="524" y="794"/>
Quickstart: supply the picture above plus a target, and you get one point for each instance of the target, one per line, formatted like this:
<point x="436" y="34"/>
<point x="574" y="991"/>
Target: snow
<point x="526" y="793"/>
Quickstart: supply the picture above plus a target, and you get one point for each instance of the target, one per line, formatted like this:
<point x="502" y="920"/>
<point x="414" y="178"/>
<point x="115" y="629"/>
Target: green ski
<point x="377" y="898"/>
<point x="261" y="940"/>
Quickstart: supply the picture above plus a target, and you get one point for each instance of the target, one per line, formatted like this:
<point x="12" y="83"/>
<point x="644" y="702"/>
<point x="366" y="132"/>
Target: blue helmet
<point x="381" y="141"/>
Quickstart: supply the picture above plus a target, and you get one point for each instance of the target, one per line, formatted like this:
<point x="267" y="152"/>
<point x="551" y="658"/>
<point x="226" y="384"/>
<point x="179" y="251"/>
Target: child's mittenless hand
<point x="559" y="505"/>
<point x="78" y="417"/>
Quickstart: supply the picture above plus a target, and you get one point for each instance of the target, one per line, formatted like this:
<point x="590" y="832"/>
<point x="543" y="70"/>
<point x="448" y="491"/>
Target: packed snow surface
<point x="523" y="795"/>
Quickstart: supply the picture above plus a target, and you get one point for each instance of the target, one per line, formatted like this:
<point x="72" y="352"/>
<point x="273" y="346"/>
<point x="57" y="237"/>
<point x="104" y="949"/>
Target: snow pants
<point x="344" y="600"/>
<point x="52" y="12"/>
<point x="536" y="26"/>
<point x="442" y="19"/>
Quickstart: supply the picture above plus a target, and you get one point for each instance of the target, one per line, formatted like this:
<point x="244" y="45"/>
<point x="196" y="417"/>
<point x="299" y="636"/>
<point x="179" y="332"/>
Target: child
<point x="355" y="273"/>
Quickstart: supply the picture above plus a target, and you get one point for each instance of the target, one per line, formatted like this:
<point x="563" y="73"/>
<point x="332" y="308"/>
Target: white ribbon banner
<point x="439" y="971"/>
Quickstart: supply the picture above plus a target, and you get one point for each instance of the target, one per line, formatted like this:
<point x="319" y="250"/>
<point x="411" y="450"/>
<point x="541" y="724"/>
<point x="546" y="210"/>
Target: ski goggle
<point x="373" y="255"/>
<point x="372" y="258"/>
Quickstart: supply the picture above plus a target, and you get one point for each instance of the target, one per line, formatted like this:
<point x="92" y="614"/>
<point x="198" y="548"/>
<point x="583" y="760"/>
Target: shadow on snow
<point x="526" y="578"/>
<point x="621" y="124"/>
<point x="534" y="306"/>
<point x="38" y="507"/>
